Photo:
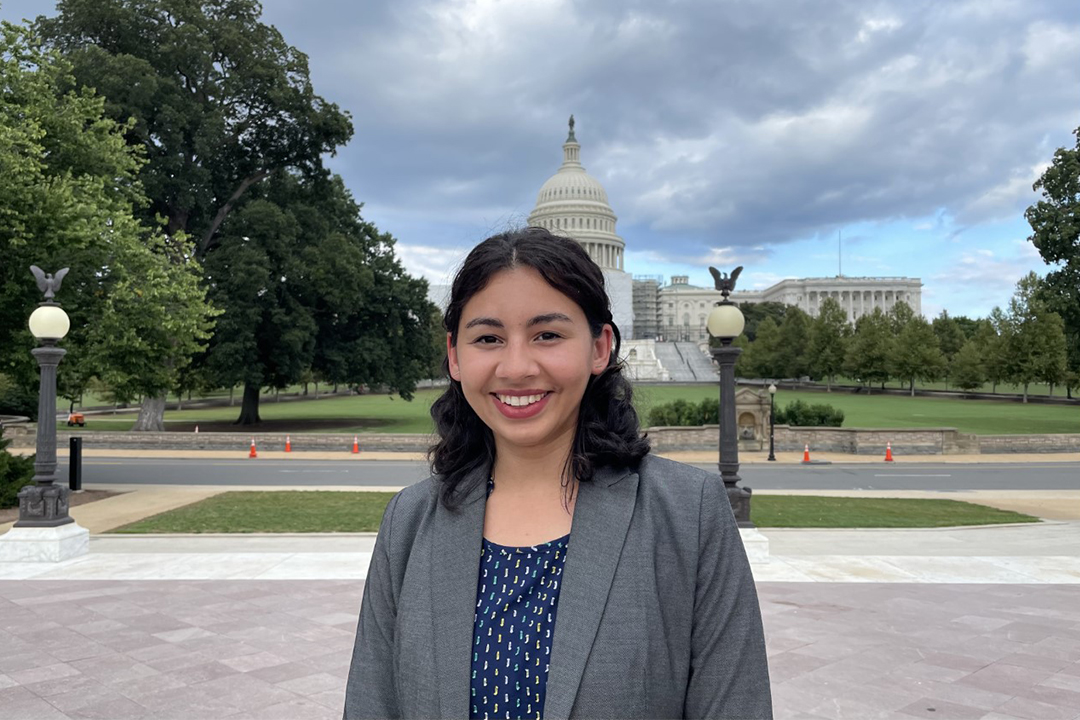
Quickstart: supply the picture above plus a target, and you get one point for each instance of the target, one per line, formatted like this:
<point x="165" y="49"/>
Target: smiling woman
<point x="550" y="566"/>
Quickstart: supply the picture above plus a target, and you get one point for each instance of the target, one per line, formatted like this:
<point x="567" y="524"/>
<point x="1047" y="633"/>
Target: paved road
<point x="927" y="476"/>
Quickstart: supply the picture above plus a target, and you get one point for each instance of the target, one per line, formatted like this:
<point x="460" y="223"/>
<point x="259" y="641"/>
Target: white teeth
<point x="520" y="400"/>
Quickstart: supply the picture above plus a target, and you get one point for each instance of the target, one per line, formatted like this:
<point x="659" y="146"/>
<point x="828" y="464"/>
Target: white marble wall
<point x="639" y="358"/>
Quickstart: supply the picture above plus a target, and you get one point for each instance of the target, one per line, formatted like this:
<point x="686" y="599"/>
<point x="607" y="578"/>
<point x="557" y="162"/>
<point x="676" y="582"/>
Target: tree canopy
<point x="1055" y="225"/>
<point x="829" y="337"/>
<point x="69" y="192"/>
<point x="219" y="101"/>
<point x="308" y="285"/>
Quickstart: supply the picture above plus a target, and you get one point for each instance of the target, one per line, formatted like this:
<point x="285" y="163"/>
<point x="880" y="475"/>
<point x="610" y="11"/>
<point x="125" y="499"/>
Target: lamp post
<point x="726" y="323"/>
<point x="45" y="503"/>
<point x="772" y="421"/>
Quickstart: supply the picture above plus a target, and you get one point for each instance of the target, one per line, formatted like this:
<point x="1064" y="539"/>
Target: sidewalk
<point x="1044" y="553"/>
<point x="956" y="623"/>
<point x="246" y="627"/>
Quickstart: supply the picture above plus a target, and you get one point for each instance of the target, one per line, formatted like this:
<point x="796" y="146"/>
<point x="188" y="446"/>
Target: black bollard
<point x="75" y="464"/>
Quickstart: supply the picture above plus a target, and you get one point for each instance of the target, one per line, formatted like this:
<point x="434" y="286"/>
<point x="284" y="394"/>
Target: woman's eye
<point x="549" y="336"/>
<point x="486" y="340"/>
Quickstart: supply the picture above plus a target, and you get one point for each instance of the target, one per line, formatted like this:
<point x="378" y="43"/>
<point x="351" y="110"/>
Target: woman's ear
<point x="451" y="355"/>
<point x="602" y="349"/>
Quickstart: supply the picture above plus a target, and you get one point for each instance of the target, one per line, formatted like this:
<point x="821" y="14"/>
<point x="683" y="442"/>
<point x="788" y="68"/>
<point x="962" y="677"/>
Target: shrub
<point x="683" y="413"/>
<point x="16" y="400"/>
<point x="801" y="414"/>
<point x="15" y="473"/>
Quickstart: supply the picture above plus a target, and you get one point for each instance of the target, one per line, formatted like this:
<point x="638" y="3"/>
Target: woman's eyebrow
<point x="538" y="320"/>
<point x="549" y="317"/>
<point x="488" y="321"/>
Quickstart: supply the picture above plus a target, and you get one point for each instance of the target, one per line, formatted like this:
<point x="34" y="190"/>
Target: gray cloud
<point x="713" y="125"/>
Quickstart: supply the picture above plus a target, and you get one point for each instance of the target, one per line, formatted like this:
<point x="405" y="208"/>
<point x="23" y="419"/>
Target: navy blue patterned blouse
<point x="516" y="601"/>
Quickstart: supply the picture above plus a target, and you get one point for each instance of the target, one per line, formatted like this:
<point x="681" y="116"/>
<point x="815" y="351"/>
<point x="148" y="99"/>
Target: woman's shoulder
<point x="416" y="500"/>
<point x="669" y="477"/>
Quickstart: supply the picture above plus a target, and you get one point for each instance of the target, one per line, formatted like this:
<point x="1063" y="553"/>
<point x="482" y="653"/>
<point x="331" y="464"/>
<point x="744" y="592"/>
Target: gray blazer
<point x="658" y="614"/>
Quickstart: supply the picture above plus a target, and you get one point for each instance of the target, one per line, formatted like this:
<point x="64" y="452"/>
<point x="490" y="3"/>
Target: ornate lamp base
<point x="43" y="506"/>
<point x="44" y="544"/>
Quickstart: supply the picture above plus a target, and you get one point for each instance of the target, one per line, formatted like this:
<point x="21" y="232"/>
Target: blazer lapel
<point x="456" y="545"/>
<point x="601" y="520"/>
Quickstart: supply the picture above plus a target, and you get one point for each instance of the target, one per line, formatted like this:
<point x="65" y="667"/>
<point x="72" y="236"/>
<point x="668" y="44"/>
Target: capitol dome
<point x="574" y="203"/>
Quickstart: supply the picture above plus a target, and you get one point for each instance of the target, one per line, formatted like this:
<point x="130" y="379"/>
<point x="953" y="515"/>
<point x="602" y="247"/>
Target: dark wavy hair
<point x="608" y="432"/>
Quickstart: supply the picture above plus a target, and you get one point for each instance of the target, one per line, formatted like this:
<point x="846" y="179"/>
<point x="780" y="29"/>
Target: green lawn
<point x="285" y="511"/>
<point x="298" y="511"/>
<point x="808" y="511"/>
<point x="1002" y="388"/>
<point x="346" y="414"/>
<point x="981" y="417"/>
<point x="390" y="414"/>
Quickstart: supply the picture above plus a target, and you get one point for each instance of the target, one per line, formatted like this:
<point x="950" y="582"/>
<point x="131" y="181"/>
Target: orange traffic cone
<point x="253" y="453"/>
<point x="888" y="452"/>
<point x="806" y="453"/>
<point x="355" y="444"/>
<point x="288" y="444"/>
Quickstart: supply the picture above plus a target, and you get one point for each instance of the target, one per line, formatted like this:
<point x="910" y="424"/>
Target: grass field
<point x="981" y="417"/>
<point x="391" y="414"/>
<point x="297" y="511"/>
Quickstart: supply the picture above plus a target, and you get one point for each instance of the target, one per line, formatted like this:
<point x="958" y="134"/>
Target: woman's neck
<point x="531" y="471"/>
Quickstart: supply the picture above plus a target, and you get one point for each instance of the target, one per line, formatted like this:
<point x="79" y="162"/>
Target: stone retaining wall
<point x="856" y="441"/>
<point x="1029" y="443"/>
<point x="235" y="441"/>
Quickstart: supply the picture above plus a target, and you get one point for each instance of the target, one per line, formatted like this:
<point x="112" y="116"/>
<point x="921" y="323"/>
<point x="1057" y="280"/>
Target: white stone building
<point x="684" y="308"/>
<point x="574" y="204"/>
<point x="856" y="295"/>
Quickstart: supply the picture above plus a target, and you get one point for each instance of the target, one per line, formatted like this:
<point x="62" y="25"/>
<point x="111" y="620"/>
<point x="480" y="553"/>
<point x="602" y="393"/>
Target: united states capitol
<point x="663" y="323"/>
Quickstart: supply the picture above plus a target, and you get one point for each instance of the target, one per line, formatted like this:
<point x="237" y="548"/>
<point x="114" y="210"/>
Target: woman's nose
<point x="517" y="362"/>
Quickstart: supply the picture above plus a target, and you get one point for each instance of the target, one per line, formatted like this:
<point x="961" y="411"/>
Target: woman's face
<point x="524" y="355"/>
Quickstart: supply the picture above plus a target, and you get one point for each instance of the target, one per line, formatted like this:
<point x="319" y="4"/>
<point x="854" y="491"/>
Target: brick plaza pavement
<point x="251" y="648"/>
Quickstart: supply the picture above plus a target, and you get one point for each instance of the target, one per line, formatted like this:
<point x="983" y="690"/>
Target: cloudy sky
<point x="725" y="133"/>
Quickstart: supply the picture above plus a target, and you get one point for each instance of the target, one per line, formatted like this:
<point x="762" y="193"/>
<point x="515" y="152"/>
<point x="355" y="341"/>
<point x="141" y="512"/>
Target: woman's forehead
<point x="518" y="296"/>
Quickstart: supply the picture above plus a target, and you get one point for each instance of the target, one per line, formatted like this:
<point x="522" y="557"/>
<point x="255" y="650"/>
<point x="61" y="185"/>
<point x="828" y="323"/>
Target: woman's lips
<point x="522" y="411"/>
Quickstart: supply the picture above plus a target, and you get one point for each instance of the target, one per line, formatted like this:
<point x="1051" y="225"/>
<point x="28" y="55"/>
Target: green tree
<point x="899" y="316"/>
<point x="993" y="338"/>
<point x="967" y="325"/>
<point x="68" y="193"/>
<point x="868" y="354"/>
<point x="153" y="322"/>
<point x="915" y="354"/>
<point x="792" y="356"/>
<point x="309" y="287"/>
<point x="266" y="336"/>
<point x="1036" y="342"/>
<point x="1050" y="358"/>
<point x="1055" y="225"/>
<point x="968" y="369"/>
<point x="217" y="103"/>
<point x="764" y="351"/>
<point x="829" y="338"/>
<point x="950" y="339"/>
<point x="755" y="313"/>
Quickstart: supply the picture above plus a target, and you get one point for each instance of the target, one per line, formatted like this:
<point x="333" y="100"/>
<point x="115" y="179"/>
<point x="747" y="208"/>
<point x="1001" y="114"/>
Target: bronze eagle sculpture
<point x="724" y="283"/>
